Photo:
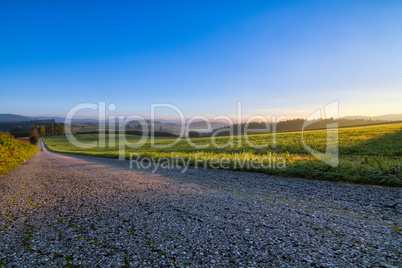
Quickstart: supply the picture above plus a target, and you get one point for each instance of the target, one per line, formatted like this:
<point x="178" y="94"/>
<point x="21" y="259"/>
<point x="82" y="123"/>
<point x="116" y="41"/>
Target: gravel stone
<point x="60" y="209"/>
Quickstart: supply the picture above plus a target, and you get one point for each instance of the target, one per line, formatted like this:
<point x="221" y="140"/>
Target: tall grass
<point x="13" y="152"/>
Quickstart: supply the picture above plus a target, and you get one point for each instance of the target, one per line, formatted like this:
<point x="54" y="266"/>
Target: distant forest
<point x="47" y="128"/>
<point x="33" y="128"/>
<point x="27" y="125"/>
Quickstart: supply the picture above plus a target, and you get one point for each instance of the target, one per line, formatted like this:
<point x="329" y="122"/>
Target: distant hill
<point x="57" y="119"/>
<point x="389" y="117"/>
<point x="19" y="118"/>
<point x="386" y="117"/>
<point x="62" y="119"/>
<point x="196" y="124"/>
<point x="353" y="117"/>
<point x="14" y="118"/>
<point x="203" y="125"/>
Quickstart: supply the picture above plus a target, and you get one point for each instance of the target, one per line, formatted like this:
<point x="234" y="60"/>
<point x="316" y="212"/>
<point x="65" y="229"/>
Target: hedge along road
<point x="60" y="209"/>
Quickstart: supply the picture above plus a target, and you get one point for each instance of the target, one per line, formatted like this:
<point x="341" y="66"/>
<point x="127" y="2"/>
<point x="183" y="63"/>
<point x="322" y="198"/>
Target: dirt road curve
<point x="61" y="210"/>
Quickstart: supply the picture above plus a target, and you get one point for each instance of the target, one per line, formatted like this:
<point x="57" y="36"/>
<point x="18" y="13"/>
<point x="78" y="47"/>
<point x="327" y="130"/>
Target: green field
<point x="368" y="155"/>
<point x="13" y="152"/>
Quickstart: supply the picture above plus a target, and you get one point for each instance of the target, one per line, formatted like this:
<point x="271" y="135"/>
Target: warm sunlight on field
<point x="370" y="155"/>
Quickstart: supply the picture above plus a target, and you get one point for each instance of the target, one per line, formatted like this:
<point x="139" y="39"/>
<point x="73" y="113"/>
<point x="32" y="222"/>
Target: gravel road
<point x="60" y="209"/>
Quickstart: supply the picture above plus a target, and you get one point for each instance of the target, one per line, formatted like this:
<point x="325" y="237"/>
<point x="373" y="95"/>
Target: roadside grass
<point x="367" y="155"/>
<point x="24" y="139"/>
<point x="13" y="152"/>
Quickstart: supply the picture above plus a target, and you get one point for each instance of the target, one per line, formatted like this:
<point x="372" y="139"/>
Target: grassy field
<point x="13" y="152"/>
<point x="75" y="127"/>
<point x="368" y="155"/>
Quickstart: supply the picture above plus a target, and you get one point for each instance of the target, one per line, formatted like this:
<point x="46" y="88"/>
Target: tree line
<point x="25" y="125"/>
<point x="33" y="129"/>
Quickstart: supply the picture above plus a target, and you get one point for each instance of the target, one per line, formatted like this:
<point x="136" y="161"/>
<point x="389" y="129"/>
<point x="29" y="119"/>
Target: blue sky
<point x="277" y="57"/>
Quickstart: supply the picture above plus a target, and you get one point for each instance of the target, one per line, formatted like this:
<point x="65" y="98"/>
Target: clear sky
<point x="277" y="57"/>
